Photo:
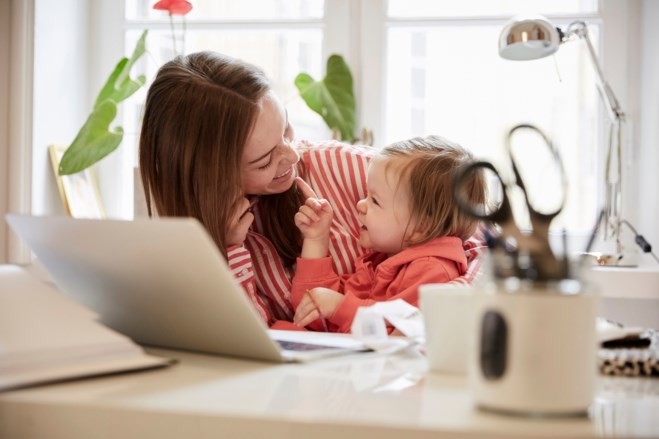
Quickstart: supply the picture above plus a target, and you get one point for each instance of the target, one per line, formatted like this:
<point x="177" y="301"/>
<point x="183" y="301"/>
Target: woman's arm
<point x="239" y="260"/>
<point x="474" y="248"/>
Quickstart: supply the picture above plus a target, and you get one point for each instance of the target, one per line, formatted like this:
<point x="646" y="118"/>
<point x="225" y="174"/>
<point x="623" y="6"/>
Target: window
<point x="444" y="76"/>
<point x="283" y="37"/>
<point x="420" y="68"/>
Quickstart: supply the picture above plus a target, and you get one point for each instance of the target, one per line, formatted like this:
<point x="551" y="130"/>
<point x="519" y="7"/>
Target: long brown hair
<point x="200" y="110"/>
<point x="427" y="170"/>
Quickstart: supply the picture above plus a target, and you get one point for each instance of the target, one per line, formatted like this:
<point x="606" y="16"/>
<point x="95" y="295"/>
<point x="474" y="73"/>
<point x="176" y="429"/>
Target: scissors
<point x="546" y="266"/>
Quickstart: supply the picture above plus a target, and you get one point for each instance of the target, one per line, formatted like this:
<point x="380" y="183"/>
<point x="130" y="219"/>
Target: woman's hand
<point x="239" y="223"/>
<point x="317" y="303"/>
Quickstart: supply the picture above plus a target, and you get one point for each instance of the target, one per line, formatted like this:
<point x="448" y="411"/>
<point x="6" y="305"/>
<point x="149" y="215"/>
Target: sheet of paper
<point x="400" y="314"/>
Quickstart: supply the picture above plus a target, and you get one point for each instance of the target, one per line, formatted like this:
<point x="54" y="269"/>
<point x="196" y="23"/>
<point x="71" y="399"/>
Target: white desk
<point x="366" y="397"/>
<point x="629" y="295"/>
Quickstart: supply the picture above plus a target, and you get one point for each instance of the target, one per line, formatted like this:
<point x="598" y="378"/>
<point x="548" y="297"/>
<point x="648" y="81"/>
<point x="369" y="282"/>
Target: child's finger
<point x="314" y="203"/>
<point x="301" y="314"/>
<point x="325" y="205"/>
<point x="310" y="212"/>
<point x="301" y="220"/>
<point x="313" y="315"/>
<point x="305" y="188"/>
<point x="305" y="307"/>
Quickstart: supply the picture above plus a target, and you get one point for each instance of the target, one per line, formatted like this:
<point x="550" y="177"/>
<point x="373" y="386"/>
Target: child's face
<point x="385" y="212"/>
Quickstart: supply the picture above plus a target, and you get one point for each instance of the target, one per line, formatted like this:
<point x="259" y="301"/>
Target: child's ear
<point x="420" y="232"/>
<point x="417" y="236"/>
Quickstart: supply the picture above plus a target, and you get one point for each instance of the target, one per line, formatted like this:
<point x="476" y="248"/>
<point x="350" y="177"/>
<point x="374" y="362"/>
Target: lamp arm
<point x="613" y="166"/>
<point x="580" y="29"/>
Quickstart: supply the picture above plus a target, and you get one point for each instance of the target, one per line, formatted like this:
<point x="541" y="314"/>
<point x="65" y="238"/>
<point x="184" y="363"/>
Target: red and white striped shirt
<point x="336" y="172"/>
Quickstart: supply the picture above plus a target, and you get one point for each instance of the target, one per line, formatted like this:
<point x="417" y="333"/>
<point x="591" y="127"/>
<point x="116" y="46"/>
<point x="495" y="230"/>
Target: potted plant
<point x="96" y="138"/>
<point x="333" y="98"/>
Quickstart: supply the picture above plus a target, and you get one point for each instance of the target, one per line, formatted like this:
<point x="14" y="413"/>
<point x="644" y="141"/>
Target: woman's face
<point x="269" y="158"/>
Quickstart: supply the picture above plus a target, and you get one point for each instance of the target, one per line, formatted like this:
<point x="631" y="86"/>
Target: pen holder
<point x="535" y="349"/>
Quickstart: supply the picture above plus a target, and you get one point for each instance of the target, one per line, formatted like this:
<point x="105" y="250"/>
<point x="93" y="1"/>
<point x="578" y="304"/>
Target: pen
<point x="322" y="319"/>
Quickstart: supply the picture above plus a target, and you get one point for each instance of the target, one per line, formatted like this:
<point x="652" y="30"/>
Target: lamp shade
<point x="528" y="37"/>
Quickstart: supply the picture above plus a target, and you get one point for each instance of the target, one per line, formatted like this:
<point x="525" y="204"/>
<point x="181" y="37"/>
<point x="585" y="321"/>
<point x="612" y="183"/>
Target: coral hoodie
<point x="378" y="278"/>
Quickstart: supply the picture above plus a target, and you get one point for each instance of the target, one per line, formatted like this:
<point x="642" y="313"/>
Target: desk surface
<point x="363" y="396"/>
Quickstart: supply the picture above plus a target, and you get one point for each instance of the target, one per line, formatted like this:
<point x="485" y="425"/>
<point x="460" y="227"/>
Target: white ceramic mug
<point x="448" y="318"/>
<point x="535" y="349"/>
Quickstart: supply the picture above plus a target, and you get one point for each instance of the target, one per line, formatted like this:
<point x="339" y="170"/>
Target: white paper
<point x="369" y="325"/>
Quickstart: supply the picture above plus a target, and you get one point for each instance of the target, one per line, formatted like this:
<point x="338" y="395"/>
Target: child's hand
<point x="314" y="218"/>
<point x="239" y="223"/>
<point x="317" y="303"/>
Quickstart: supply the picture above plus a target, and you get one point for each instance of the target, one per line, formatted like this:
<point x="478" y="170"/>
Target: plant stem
<point x="184" y="32"/>
<point x="171" y="25"/>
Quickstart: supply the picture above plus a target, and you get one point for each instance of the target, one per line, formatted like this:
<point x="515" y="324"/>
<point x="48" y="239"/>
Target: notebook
<point x="45" y="337"/>
<point x="164" y="283"/>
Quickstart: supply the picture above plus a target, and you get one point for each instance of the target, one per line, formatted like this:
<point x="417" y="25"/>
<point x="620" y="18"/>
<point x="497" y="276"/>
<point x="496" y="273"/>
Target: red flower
<point x="174" y="7"/>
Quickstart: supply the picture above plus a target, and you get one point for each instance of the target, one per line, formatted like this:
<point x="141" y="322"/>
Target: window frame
<point x="356" y="29"/>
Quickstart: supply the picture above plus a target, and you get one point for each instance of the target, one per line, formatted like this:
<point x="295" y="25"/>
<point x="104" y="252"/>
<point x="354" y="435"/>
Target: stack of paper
<point x="44" y="336"/>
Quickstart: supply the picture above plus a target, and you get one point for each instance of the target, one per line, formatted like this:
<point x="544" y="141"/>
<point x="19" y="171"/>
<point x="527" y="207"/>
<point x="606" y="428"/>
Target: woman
<point x="216" y="145"/>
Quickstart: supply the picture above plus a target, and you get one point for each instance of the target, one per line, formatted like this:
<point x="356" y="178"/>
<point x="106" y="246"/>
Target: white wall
<point x="647" y="169"/>
<point x="4" y="125"/>
<point x="19" y="118"/>
<point x="61" y="102"/>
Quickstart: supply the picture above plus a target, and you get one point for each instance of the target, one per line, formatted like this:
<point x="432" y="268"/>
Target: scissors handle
<point x="537" y="218"/>
<point x="534" y="243"/>
<point x="498" y="214"/>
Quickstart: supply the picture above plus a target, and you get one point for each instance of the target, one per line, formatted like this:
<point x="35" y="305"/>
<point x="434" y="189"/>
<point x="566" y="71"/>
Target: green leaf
<point x="94" y="140"/>
<point x="119" y="85"/>
<point x="332" y="98"/>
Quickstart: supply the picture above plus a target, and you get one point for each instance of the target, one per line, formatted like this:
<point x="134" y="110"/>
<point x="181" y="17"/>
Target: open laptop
<point x="163" y="282"/>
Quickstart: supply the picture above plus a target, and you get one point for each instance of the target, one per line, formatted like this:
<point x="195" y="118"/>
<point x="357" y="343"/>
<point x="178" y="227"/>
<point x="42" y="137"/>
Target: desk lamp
<point x="533" y="37"/>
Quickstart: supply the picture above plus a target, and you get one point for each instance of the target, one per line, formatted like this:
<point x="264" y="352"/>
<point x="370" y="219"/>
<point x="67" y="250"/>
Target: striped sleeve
<point x="273" y="280"/>
<point x="239" y="260"/>
<point x="474" y="248"/>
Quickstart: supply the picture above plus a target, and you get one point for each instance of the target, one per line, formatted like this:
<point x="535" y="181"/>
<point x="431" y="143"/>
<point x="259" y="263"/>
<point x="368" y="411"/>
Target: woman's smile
<point x="285" y="175"/>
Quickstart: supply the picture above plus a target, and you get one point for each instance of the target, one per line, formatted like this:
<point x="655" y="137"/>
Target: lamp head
<point x="528" y="37"/>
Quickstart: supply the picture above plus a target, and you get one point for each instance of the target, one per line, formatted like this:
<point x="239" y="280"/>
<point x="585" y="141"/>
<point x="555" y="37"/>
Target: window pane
<point x="450" y="81"/>
<point x="281" y="54"/>
<point x="452" y="8"/>
<point x="233" y="10"/>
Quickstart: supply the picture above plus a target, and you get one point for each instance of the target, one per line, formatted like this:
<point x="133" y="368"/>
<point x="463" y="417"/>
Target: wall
<point x="647" y="169"/>
<point x="4" y="126"/>
<point x="61" y="103"/>
<point x="19" y="118"/>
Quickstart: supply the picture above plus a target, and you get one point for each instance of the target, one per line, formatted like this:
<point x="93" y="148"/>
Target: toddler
<point x="410" y="223"/>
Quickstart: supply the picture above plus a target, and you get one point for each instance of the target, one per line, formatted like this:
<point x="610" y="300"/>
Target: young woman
<point x="216" y="145"/>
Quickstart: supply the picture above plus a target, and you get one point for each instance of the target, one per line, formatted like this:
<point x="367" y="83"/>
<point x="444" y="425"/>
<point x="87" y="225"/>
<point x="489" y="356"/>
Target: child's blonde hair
<point x="427" y="171"/>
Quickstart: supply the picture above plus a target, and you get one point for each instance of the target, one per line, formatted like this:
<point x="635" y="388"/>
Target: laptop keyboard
<point x="299" y="346"/>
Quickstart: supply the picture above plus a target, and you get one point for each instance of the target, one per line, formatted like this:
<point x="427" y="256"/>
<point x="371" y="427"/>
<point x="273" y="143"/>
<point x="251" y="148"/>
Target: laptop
<point x="164" y="283"/>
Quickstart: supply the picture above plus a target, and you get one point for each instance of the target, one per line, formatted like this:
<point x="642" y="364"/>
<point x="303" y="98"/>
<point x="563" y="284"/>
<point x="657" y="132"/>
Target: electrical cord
<point x="641" y="241"/>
